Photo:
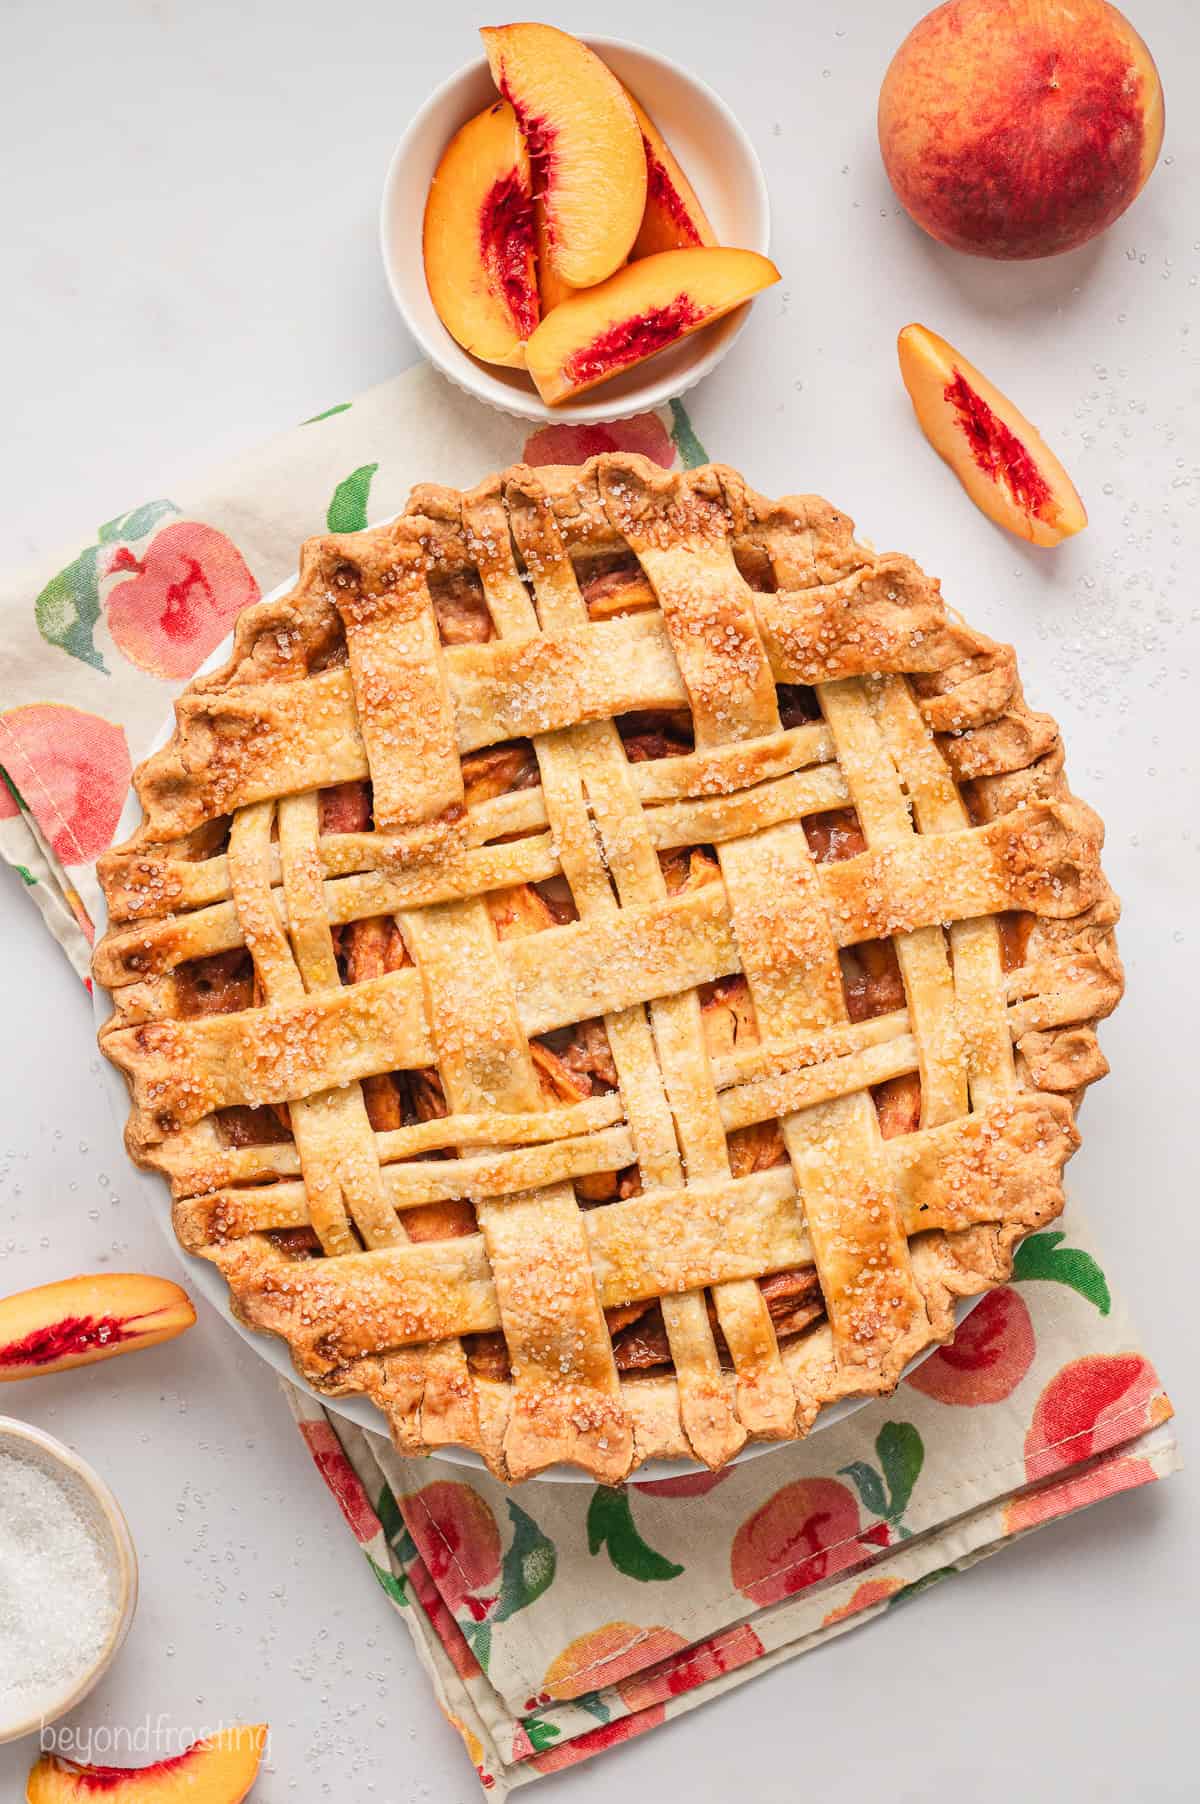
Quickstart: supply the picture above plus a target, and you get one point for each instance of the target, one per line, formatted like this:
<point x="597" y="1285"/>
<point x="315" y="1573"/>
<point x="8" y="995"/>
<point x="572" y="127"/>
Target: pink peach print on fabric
<point x="72" y="771"/>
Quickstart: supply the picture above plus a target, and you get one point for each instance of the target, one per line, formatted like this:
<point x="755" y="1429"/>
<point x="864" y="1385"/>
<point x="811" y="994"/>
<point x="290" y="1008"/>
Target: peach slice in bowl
<point x="655" y="301"/>
<point x="725" y="199"/>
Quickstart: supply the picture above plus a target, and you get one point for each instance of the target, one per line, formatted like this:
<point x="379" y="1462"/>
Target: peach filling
<point x="614" y="584"/>
<point x="871" y="980"/>
<point x="460" y="608"/>
<point x="1015" y="929"/>
<point x="662" y="733"/>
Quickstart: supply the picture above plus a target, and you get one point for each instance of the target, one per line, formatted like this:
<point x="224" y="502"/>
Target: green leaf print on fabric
<point x="1043" y="1256"/>
<point x="683" y="437"/>
<point x="27" y="877"/>
<point x="14" y="792"/>
<point x="901" y="1454"/>
<point x="396" y="1588"/>
<point x="68" y="608"/>
<point x="135" y="524"/>
<point x="907" y="1592"/>
<point x="348" y="509"/>
<point x="594" y="1704"/>
<point x="478" y="1637"/>
<point x="610" y="1524"/>
<point x="868" y="1484"/>
<point x="542" y="1735"/>
<point x="341" y="407"/>
<point x="394" y="1527"/>
<point x="529" y="1566"/>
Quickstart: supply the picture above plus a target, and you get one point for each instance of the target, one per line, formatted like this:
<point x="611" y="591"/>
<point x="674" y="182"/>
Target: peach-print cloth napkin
<point x="556" y="1620"/>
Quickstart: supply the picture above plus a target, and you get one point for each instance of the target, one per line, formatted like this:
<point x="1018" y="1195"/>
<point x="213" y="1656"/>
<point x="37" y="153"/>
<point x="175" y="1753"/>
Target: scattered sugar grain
<point x="56" y="1600"/>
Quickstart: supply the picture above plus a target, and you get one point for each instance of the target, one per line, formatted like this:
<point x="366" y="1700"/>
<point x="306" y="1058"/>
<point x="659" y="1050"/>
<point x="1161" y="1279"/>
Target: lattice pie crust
<point x="606" y="963"/>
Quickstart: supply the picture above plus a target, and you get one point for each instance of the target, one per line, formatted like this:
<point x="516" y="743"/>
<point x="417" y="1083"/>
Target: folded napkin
<point x="558" y="1619"/>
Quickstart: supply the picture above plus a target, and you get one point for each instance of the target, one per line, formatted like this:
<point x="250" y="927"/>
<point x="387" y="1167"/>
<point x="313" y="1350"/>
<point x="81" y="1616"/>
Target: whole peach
<point x="1020" y="128"/>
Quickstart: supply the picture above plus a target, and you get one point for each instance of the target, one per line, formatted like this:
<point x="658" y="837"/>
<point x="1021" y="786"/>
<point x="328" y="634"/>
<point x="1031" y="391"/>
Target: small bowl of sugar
<point x="68" y="1578"/>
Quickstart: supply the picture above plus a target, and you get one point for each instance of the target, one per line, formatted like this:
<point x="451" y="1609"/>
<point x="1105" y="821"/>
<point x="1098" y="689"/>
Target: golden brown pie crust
<point x="606" y="964"/>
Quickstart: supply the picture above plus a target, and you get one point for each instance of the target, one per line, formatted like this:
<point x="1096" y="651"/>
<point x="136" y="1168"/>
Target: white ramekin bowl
<point x="23" y="1441"/>
<point x="720" y="162"/>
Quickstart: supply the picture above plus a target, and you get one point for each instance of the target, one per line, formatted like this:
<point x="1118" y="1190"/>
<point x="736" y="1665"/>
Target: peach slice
<point x="478" y="238"/>
<point x="642" y="309"/>
<point x="221" y="1769"/>
<point x="674" y="218"/>
<point x="584" y="144"/>
<point x="552" y="290"/>
<point x="1004" y="464"/>
<point x="79" y="1320"/>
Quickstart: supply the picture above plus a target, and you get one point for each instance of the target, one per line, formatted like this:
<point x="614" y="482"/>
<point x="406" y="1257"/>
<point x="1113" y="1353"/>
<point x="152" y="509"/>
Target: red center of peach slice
<point x="222" y="1768"/>
<point x="112" y="1778"/>
<point x="997" y="451"/>
<point x="631" y="339"/>
<point x="505" y="241"/>
<point x="661" y="190"/>
<point x="539" y="136"/>
<point x="74" y="1334"/>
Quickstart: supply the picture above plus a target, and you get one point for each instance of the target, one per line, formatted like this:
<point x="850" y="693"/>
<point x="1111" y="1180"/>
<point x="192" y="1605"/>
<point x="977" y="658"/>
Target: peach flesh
<point x="477" y="239"/>
<point x="552" y="290"/>
<point x="1020" y="128"/>
<point x="643" y="308"/>
<point x="631" y="340"/>
<point x="674" y="218"/>
<point x="505" y="247"/>
<point x="219" y="1770"/>
<point x="75" y="1334"/>
<point x="998" y="452"/>
<point x="661" y="190"/>
<point x="583" y="142"/>
<point x="79" y="1320"/>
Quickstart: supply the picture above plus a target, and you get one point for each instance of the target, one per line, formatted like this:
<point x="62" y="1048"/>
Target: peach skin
<point x="1020" y="128"/>
<point x="641" y="310"/>
<point x="584" y="141"/>
<point x="674" y="218"/>
<point x="478" y="239"/>
<point x="218" y="1770"/>
<point x="1004" y="464"/>
<point x="79" y="1320"/>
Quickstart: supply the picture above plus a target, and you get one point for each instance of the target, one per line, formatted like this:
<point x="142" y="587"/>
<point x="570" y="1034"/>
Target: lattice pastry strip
<point x="650" y="1070"/>
<point x="555" y="609"/>
<point x="765" y="1398"/>
<point x="708" y="1422"/>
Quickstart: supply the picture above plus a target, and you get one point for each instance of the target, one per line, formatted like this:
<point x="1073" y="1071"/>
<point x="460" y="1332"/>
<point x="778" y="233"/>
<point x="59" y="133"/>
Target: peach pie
<point x="606" y="965"/>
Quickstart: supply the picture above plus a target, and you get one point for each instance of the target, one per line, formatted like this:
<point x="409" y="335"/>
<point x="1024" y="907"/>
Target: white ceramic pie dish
<point x="204" y="1278"/>
<point x="97" y="1503"/>
<point x="720" y="162"/>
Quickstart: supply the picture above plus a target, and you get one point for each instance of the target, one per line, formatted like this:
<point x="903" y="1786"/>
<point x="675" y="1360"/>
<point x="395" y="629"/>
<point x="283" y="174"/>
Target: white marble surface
<point x="189" y="262"/>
